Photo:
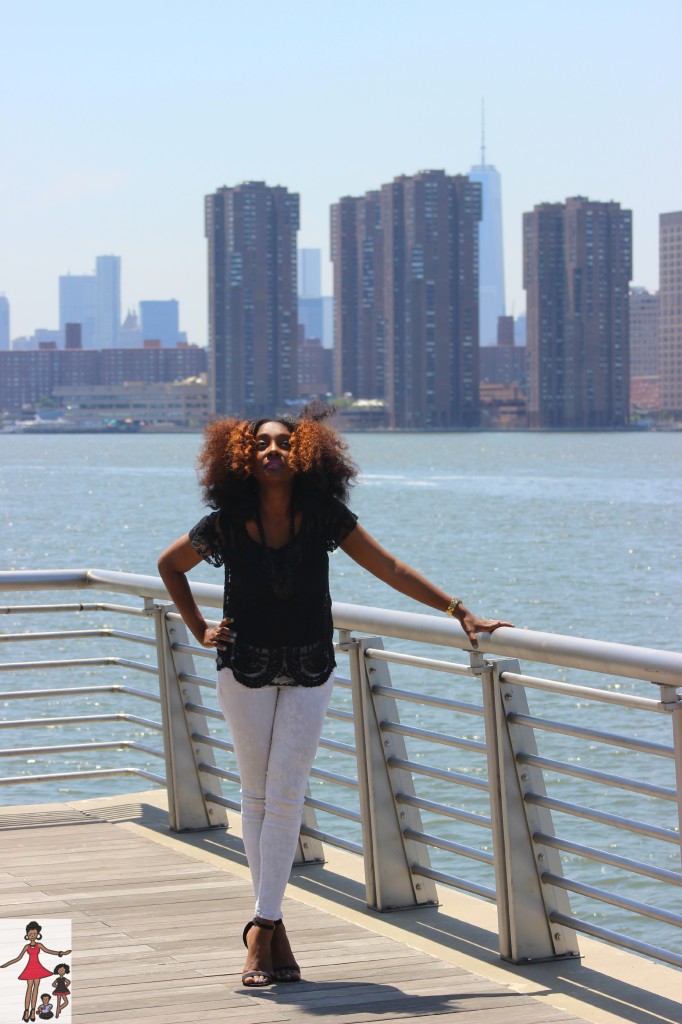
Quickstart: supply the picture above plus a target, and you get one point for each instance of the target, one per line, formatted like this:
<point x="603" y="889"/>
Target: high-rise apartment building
<point x="160" y="321"/>
<point x="577" y="267"/>
<point x="251" y="231"/>
<point x="4" y="324"/>
<point x="108" y="287"/>
<point x="670" y="313"/>
<point x="491" y="301"/>
<point x="406" y="298"/>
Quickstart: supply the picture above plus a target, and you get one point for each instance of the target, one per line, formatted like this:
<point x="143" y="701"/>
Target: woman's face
<point x="32" y="934"/>
<point x="273" y="448"/>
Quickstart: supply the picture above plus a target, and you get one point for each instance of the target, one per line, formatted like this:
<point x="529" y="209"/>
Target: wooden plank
<point x="157" y="938"/>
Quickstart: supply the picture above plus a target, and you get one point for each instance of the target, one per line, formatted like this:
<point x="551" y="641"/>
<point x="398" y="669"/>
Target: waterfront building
<point x="253" y="317"/>
<point x="670" y="313"/>
<point x="78" y="305"/>
<point x="26" y="377"/>
<point x="181" y="403"/>
<point x="406" y="299"/>
<point x="160" y="321"/>
<point x="4" y="324"/>
<point x="577" y="266"/>
<point x="108" y="287"/>
<point x="491" y="301"/>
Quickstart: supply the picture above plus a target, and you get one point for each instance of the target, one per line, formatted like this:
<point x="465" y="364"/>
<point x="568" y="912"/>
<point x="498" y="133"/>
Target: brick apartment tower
<point x="577" y="260"/>
<point x="251" y="231"/>
<point x="670" y="313"/>
<point x="406" y="299"/>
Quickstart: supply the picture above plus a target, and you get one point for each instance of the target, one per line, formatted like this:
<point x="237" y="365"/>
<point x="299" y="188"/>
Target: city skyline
<point x="111" y="142"/>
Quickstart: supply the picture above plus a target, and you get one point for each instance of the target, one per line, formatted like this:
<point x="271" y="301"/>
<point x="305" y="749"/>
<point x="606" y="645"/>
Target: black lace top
<point x="278" y="598"/>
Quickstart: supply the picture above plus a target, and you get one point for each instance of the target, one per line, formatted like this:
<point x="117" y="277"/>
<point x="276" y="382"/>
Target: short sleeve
<point x="207" y="540"/>
<point x="339" y="522"/>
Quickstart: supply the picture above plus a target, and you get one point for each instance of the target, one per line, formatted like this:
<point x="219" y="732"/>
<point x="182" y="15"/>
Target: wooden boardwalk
<point x="157" y="924"/>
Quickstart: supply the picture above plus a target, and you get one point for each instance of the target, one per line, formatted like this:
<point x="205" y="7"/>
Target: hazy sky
<point x="116" y="120"/>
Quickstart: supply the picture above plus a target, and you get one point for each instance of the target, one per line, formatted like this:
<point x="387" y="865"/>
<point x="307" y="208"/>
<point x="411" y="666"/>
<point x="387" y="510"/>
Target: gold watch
<point x="454" y="604"/>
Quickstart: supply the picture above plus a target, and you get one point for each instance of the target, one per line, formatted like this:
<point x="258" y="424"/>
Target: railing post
<point x="309" y="850"/>
<point x="672" y="701"/>
<point x="528" y="933"/>
<point x="389" y="855"/>
<point x="490" y="715"/>
<point x="188" y="808"/>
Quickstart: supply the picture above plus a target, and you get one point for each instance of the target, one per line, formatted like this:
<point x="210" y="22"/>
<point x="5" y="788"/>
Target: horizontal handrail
<point x="591" y="775"/>
<point x="641" y="828"/>
<point x="663" y="667"/>
<point x="582" y="733"/>
<point x="79" y="691"/>
<point x="80" y="634"/>
<point x="90" y="773"/>
<point x="606" y="896"/>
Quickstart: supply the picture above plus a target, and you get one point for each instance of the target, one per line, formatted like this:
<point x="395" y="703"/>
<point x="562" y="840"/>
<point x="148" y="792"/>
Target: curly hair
<point x="319" y="458"/>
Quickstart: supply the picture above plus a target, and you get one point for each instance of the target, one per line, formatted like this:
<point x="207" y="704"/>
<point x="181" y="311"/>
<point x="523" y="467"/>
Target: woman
<point x="278" y="488"/>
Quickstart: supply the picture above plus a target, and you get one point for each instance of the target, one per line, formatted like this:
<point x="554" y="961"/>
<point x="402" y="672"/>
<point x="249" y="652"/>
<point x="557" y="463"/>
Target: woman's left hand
<point x="471" y="624"/>
<point x="219" y="636"/>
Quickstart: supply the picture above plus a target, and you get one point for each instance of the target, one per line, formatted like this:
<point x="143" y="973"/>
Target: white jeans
<point x="276" y="731"/>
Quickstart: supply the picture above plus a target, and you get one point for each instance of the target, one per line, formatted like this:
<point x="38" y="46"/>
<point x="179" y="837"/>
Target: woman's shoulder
<point x="330" y="518"/>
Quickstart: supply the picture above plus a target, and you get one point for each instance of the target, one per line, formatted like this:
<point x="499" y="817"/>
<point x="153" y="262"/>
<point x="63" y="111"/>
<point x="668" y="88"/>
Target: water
<point x="567" y="533"/>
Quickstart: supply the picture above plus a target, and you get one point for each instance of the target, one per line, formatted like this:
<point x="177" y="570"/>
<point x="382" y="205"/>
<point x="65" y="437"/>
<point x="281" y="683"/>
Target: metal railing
<point x="577" y="794"/>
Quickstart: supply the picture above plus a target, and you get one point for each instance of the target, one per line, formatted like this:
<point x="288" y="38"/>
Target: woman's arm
<point x="53" y="952"/>
<point x="175" y="562"/>
<point x="365" y="550"/>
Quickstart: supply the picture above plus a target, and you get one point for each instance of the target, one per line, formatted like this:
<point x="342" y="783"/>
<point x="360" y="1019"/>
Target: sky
<point x="116" y="120"/>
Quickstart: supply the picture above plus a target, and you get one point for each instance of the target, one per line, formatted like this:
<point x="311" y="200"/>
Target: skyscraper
<point x="108" y="315"/>
<point x="577" y="259"/>
<point x="406" y="298"/>
<point x="252" y="231"/>
<point x="670" y="313"/>
<point x="491" y="252"/>
<point x="160" y="321"/>
<point x="78" y="305"/>
<point x="309" y="273"/>
<point x="4" y="324"/>
<point x="94" y="302"/>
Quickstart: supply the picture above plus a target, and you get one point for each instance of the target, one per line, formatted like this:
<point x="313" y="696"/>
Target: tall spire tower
<point x="491" y="304"/>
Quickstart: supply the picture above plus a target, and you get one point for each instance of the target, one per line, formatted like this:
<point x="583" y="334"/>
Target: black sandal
<point x="247" y="976"/>
<point x="279" y="972"/>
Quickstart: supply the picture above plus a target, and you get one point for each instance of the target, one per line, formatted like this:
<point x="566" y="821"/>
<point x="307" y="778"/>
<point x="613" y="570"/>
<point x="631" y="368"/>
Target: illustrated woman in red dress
<point x="34" y="972"/>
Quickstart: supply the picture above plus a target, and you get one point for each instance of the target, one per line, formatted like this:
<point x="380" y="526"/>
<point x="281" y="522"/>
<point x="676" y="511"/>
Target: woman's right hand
<point x="219" y="636"/>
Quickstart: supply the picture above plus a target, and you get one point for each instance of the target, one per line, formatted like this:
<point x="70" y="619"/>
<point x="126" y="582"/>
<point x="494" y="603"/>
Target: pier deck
<point x="157" y="921"/>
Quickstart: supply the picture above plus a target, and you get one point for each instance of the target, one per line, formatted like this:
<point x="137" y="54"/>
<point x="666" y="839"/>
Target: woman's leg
<point x="298" y="720"/>
<point x="250" y="715"/>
